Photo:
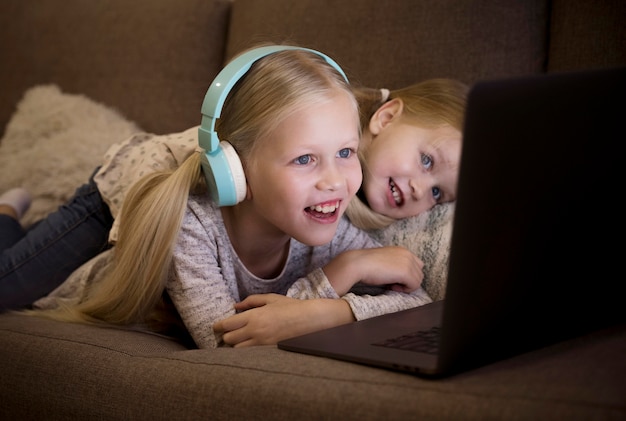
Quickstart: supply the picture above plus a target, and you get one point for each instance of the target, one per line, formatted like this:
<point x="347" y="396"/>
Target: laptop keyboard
<point x="426" y="341"/>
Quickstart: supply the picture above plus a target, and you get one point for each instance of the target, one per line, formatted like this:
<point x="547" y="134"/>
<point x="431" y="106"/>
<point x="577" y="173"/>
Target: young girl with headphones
<point x="229" y="244"/>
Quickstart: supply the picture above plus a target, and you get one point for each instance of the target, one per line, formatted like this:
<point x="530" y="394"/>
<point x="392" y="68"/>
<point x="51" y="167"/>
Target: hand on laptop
<point x="395" y="267"/>
<point x="266" y="319"/>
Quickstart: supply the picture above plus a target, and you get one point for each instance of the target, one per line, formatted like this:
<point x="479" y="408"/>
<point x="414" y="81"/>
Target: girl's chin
<point x="317" y="240"/>
<point x="316" y="232"/>
<point x="388" y="211"/>
<point x="380" y="208"/>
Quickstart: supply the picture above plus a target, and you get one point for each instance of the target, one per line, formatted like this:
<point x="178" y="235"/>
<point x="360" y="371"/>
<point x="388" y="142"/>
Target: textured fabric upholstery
<point x="78" y="372"/>
<point x="395" y="43"/>
<point x="587" y="34"/>
<point x="152" y="59"/>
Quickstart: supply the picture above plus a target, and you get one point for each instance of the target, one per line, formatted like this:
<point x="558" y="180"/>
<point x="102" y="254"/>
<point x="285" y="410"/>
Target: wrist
<point x="334" y="312"/>
<point x="342" y="272"/>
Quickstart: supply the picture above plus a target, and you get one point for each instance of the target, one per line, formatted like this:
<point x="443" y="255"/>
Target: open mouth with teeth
<point x="396" y="193"/>
<point x="324" y="210"/>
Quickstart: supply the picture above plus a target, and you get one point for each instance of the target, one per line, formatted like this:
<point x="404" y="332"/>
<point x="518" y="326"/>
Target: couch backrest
<point x="151" y="59"/>
<point x="393" y="43"/>
<point x="154" y="59"/>
<point x="587" y="34"/>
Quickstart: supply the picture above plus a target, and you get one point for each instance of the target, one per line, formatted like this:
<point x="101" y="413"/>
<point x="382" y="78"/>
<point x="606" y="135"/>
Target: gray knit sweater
<point x="211" y="278"/>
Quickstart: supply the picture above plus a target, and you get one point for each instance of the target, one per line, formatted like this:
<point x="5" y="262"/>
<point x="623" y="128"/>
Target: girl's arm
<point x="355" y="257"/>
<point x="199" y="289"/>
<point x="391" y="266"/>
<point x="312" y="303"/>
<point x="270" y="318"/>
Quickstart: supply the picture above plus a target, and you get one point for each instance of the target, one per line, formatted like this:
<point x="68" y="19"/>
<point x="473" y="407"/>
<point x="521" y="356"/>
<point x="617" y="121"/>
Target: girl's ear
<point x="385" y="114"/>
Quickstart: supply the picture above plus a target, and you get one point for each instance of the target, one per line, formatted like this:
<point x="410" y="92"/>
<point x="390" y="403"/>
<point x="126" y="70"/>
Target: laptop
<point x="538" y="232"/>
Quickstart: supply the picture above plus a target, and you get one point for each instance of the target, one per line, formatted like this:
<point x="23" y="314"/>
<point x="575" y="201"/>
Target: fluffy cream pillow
<point x="53" y="143"/>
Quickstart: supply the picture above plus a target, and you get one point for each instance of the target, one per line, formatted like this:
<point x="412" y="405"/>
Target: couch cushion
<point x="52" y="370"/>
<point x="124" y="53"/>
<point x="395" y="43"/>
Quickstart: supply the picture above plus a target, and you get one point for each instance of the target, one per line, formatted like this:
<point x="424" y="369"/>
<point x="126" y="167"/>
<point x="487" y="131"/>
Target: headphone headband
<point x="227" y="78"/>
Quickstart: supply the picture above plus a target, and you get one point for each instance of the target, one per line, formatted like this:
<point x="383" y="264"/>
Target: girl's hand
<point x="269" y="318"/>
<point x="395" y="267"/>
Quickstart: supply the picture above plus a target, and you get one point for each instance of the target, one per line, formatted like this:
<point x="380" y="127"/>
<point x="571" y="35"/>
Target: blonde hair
<point x="430" y="104"/>
<point x="132" y="291"/>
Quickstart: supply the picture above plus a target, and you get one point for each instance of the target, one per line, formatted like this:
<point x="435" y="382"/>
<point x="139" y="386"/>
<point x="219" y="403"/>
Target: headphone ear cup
<point x="224" y="174"/>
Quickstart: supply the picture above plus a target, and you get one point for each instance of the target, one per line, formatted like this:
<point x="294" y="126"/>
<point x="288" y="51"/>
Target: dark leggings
<point x="34" y="262"/>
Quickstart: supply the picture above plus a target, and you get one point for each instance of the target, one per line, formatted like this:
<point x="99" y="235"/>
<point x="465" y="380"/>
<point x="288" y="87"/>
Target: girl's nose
<point x="331" y="179"/>
<point x="417" y="188"/>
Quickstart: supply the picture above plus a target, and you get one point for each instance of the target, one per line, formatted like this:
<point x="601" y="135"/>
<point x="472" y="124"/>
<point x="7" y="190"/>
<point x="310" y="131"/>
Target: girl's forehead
<point x="446" y="135"/>
<point x="339" y="99"/>
<point x="320" y="122"/>
<point x="440" y="136"/>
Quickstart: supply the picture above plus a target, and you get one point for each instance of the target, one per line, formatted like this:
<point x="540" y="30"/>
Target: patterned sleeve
<point x="127" y="162"/>
<point x="366" y="306"/>
<point x="316" y="284"/>
<point x="199" y="290"/>
<point x="365" y="301"/>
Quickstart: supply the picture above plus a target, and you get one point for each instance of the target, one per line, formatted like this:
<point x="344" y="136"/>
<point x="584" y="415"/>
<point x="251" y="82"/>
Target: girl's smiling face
<point x="303" y="175"/>
<point x="408" y="169"/>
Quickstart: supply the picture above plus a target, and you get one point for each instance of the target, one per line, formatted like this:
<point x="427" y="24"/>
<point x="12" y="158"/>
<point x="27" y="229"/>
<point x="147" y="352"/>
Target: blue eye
<point x="427" y="161"/>
<point x="436" y="193"/>
<point x="303" y="160"/>
<point x="345" y="153"/>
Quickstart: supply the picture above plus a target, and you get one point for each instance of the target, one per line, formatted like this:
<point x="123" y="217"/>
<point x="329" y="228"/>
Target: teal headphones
<point x="222" y="167"/>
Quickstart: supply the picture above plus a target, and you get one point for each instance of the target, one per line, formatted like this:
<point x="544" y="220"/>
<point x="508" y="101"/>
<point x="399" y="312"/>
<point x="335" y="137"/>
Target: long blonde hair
<point x="429" y="104"/>
<point x="132" y="290"/>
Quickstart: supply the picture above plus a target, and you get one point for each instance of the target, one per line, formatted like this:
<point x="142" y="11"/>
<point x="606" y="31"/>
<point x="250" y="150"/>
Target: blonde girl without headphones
<point x="410" y="150"/>
<point x="294" y="122"/>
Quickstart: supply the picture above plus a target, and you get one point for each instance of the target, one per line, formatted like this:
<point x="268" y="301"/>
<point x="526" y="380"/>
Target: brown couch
<point x="153" y="61"/>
